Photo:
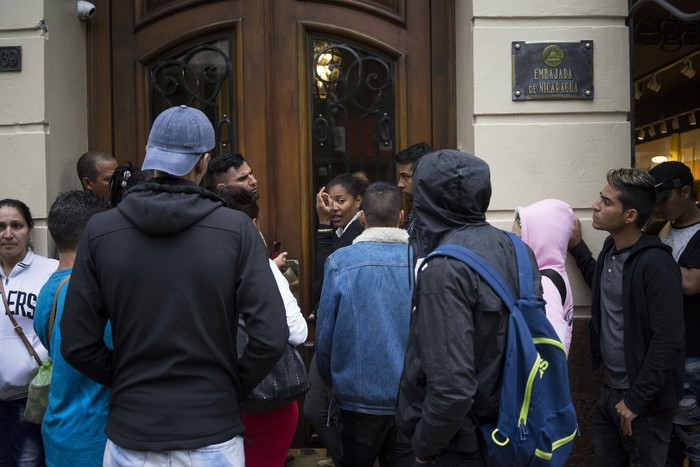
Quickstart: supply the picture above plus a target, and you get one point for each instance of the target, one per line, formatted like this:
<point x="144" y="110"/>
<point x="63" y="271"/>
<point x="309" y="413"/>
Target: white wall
<point x="543" y="149"/>
<point x="43" y="107"/>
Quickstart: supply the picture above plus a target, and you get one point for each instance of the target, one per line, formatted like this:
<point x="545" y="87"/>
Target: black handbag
<point x="287" y="381"/>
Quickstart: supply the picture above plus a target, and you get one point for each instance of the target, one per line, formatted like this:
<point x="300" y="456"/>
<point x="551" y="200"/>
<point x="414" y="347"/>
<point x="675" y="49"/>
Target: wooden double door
<point x="304" y="89"/>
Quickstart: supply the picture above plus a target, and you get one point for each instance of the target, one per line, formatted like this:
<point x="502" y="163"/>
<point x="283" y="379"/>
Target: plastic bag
<point x="38" y="398"/>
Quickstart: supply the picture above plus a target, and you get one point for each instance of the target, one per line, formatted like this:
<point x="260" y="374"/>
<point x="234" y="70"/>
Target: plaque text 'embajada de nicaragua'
<point x="552" y="70"/>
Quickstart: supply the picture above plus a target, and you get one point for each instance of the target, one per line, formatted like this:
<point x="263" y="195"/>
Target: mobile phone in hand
<point x="276" y="247"/>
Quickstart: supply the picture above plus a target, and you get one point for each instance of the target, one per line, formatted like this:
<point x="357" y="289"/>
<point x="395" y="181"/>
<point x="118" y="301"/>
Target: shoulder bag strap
<point x="52" y="317"/>
<point x="18" y="328"/>
<point x="558" y="282"/>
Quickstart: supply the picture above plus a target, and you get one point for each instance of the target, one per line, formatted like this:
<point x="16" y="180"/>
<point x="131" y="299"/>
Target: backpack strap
<point x="490" y="275"/>
<point x="522" y="257"/>
<point x="557" y="280"/>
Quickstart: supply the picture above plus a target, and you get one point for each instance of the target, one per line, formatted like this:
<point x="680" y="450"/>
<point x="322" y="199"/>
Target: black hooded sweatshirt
<point x="171" y="268"/>
<point x="454" y="359"/>
<point x="654" y="331"/>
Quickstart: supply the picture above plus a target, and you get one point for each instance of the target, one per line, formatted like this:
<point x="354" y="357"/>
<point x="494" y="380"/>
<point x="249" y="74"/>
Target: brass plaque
<point x="552" y="70"/>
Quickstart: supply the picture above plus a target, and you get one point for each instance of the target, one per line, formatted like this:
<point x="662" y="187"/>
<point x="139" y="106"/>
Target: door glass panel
<point x="201" y="76"/>
<point x="353" y="111"/>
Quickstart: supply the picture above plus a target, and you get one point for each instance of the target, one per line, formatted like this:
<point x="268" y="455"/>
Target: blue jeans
<point x="648" y="444"/>
<point x="20" y="442"/>
<point x="686" y="440"/>
<point x="365" y="438"/>
<point x="226" y="454"/>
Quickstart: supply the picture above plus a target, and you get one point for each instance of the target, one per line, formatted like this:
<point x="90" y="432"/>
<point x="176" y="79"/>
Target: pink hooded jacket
<point x="546" y="226"/>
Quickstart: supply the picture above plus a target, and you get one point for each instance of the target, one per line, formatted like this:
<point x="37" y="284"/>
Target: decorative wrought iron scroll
<point x="199" y="77"/>
<point x="353" y="126"/>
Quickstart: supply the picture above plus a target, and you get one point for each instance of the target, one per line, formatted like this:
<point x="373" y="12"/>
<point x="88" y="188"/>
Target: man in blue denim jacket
<point x="363" y="322"/>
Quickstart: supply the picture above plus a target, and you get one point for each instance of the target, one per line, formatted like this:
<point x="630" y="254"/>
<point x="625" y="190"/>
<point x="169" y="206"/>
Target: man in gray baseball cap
<point x="172" y="269"/>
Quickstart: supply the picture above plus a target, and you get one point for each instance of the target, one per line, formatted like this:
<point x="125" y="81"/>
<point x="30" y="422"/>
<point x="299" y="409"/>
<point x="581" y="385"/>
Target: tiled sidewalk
<point x="307" y="457"/>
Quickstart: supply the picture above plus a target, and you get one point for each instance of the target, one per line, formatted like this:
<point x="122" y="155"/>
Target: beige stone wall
<point x="43" y="107"/>
<point x="543" y="149"/>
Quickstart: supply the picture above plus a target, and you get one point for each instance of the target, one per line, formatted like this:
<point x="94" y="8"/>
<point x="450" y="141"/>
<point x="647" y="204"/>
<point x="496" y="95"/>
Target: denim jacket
<point x="363" y="320"/>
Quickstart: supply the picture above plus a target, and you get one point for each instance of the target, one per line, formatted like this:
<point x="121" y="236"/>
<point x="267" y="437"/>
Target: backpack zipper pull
<point x="523" y="430"/>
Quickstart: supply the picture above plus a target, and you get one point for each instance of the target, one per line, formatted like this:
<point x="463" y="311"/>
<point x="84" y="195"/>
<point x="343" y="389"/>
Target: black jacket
<point x="171" y="268"/>
<point x="454" y="357"/>
<point x="326" y="243"/>
<point x="689" y="258"/>
<point x="653" y="321"/>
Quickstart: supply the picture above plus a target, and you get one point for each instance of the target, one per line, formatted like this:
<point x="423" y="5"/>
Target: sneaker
<point x="688" y="412"/>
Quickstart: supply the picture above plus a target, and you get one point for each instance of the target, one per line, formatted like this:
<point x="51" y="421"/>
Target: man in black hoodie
<point x="172" y="269"/>
<point x="636" y="328"/>
<point x="454" y="358"/>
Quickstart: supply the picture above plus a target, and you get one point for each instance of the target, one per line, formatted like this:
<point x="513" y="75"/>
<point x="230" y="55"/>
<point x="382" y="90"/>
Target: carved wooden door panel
<point x="304" y="89"/>
<point x="354" y="82"/>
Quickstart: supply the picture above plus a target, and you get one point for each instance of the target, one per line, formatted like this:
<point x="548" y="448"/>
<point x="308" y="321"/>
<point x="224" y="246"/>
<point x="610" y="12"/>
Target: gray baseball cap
<point x="179" y="136"/>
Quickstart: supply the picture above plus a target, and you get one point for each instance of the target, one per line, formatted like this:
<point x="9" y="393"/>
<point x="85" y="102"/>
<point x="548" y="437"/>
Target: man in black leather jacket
<point x="454" y="357"/>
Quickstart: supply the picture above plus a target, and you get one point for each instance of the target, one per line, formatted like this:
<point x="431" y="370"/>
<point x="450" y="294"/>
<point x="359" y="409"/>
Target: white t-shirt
<point x="678" y="238"/>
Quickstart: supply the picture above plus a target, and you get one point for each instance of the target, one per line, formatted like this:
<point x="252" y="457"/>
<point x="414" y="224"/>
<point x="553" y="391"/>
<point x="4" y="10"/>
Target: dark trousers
<point x="365" y="438"/>
<point x="648" y="444"/>
<point x="316" y="411"/>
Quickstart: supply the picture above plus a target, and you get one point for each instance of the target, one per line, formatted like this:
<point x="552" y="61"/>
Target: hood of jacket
<point x="546" y="227"/>
<point x="165" y="205"/>
<point x="450" y="189"/>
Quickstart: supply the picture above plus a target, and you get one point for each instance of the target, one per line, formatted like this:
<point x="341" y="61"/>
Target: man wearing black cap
<point x="681" y="231"/>
<point x="173" y="270"/>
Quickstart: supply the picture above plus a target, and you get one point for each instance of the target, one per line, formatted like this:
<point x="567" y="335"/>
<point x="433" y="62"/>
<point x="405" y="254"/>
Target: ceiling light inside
<point x="637" y="91"/>
<point x="653" y="84"/>
<point x="664" y="128"/>
<point x="691" y="118"/>
<point x="688" y="69"/>
<point x="675" y="124"/>
<point x="652" y="131"/>
<point x="640" y="135"/>
<point x="659" y="159"/>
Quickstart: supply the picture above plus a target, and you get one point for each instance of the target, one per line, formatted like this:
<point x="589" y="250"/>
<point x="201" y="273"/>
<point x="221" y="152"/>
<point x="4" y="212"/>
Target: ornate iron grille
<point x="353" y="126"/>
<point x="201" y="76"/>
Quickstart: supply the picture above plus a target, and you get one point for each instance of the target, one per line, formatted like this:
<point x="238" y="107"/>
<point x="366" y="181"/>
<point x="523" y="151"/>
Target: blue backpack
<point x="536" y="418"/>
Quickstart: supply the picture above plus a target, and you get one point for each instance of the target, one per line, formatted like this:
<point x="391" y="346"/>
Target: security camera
<point x="86" y="10"/>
